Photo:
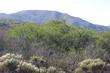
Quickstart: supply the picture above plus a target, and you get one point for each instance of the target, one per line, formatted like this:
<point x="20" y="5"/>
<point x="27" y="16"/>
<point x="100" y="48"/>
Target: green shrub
<point x="78" y="70"/>
<point x="90" y="65"/>
<point x="10" y="56"/>
<point x="39" y="61"/>
<point x="51" y="69"/>
<point x="61" y="72"/>
<point x="10" y="63"/>
<point x="27" y="68"/>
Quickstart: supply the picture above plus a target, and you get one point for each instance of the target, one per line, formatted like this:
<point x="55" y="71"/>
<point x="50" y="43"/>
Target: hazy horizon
<point x="94" y="11"/>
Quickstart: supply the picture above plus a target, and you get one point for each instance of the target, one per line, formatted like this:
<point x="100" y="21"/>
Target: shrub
<point x="10" y="56"/>
<point x="39" y="61"/>
<point x="78" y="70"/>
<point x="61" y="72"/>
<point x="90" y="65"/>
<point x="11" y="64"/>
<point x="27" y="68"/>
<point x="51" y="69"/>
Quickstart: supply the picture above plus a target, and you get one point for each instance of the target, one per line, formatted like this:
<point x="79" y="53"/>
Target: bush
<point x="61" y="72"/>
<point x="51" y="69"/>
<point x="79" y="70"/>
<point x="27" y="68"/>
<point x="10" y="56"/>
<point x="10" y="63"/>
<point x="90" y="65"/>
<point x="39" y="61"/>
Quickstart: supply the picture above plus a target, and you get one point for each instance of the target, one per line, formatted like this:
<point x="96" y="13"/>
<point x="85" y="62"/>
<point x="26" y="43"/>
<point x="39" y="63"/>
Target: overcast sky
<point x="95" y="11"/>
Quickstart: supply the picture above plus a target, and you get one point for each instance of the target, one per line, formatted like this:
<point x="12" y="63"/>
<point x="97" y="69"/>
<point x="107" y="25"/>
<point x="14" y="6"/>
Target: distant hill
<point x="43" y="16"/>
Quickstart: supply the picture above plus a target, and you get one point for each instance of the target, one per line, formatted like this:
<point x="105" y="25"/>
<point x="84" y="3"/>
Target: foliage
<point x="12" y="64"/>
<point x="27" y="68"/>
<point x="55" y="43"/>
<point x="38" y="61"/>
<point x="51" y="69"/>
<point x="90" y="65"/>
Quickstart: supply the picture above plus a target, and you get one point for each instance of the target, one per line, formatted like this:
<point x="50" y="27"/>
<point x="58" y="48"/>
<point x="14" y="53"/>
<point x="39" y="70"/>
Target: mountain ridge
<point x="43" y="16"/>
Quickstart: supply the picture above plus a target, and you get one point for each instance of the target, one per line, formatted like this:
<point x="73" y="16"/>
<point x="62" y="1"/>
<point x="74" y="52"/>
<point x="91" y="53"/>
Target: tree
<point x="22" y="36"/>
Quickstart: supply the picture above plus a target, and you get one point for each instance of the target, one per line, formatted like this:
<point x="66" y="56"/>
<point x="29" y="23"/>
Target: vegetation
<point x="53" y="47"/>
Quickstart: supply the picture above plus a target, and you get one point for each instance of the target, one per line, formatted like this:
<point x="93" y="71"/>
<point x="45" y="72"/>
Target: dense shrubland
<point x="12" y="63"/>
<point x="55" y="47"/>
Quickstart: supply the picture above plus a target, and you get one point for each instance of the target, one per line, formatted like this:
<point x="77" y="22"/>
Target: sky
<point x="95" y="11"/>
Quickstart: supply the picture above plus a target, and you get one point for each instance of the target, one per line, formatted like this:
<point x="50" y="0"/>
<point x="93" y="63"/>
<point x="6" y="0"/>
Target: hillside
<point x="31" y="48"/>
<point x="43" y="16"/>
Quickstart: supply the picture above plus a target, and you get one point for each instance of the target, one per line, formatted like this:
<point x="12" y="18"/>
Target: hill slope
<point x="42" y="16"/>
